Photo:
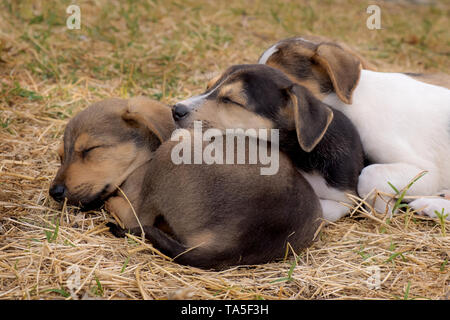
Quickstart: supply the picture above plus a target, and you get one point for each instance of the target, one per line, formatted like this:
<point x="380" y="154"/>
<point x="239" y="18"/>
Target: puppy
<point x="101" y="149"/>
<point x="403" y="119"/>
<point x="208" y="216"/>
<point x="321" y="141"/>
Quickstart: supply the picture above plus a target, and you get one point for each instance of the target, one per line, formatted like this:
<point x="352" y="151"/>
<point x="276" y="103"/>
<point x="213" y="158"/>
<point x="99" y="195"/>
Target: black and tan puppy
<point x="209" y="216"/>
<point x="321" y="141"/>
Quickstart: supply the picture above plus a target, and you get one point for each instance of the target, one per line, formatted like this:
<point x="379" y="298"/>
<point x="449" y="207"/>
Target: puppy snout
<point x="58" y="192"/>
<point x="179" y="111"/>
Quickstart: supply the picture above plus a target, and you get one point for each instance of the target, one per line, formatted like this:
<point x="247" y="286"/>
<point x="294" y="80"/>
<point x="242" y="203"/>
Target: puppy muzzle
<point x="180" y="111"/>
<point x="58" y="192"/>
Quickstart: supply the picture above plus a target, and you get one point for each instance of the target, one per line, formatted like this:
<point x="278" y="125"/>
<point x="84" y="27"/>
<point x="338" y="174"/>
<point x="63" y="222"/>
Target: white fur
<point x="330" y="198"/>
<point x="404" y="126"/>
<point x="196" y="101"/>
<point x="268" y="53"/>
<point x="429" y="206"/>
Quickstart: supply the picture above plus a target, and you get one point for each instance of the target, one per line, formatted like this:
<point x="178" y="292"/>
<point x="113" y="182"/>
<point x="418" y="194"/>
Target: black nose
<point x="58" y="192"/>
<point x="179" y="111"/>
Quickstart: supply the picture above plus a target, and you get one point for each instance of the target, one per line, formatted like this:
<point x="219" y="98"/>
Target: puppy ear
<point x="312" y="117"/>
<point x="151" y="114"/>
<point x="344" y="69"/>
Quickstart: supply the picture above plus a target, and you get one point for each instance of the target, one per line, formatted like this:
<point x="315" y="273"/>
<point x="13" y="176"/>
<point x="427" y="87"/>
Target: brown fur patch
<point x="343" y="69"/>
<point x="152" y="114"/>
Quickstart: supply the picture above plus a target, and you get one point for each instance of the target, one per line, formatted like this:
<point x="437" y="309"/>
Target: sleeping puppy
<point x="100" y="150"/>
<point x="117" y="152"/>
<point x="403" y="119"/>
<point x="322" y="143"/>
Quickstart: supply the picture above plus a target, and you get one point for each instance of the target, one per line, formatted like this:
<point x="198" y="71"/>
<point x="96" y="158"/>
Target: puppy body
<point x="404" y="135"/>
<point x="403" y="119"/>
<point x="220" y="215"/>
<point x="210" y="216"/>
<point x="323" y="144"/>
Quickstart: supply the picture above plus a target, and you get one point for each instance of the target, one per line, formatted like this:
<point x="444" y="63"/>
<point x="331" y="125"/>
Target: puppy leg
<point x="333" y="210"/>
<point x="429" y="206"/>
<point x="121" y="208"/>
<point x="159" y="239"/>
<point x="329" y="197"/>
<point x="377" y="176"/>
<point x="196" y="257"/>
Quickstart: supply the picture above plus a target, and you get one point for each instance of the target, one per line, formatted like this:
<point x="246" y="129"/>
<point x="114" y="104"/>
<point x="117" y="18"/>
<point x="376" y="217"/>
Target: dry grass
<point x="168" y="51"/>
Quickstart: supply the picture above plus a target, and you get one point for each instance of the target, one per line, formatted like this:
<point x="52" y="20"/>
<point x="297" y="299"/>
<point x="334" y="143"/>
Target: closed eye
<point x="228" y="100"/>
<point x="87" y="150"/>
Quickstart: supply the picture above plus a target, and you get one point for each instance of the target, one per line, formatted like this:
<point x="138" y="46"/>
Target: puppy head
<point x="256" y="97"/>
<point x="319" y="64"/>
<point x="103" y="144"/>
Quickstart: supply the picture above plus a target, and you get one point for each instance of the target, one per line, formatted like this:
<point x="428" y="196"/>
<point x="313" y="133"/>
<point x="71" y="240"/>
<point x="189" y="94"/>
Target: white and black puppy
<point x="403" y="119"/>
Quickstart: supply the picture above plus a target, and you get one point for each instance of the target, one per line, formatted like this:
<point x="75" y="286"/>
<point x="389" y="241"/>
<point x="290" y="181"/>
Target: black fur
<point x="338" y="157"/>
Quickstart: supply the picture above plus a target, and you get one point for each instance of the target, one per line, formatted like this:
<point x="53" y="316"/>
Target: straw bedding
<point x="168" y="50"/>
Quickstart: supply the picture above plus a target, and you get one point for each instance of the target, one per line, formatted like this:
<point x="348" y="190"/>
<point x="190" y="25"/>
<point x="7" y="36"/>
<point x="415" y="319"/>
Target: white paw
<point x="368" y="180"/>
<point x="333" y="210"/>
<point x="429" y="206"/>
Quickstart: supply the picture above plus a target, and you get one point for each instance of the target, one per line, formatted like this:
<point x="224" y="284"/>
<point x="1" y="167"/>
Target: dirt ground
<point x="167" y="50"/>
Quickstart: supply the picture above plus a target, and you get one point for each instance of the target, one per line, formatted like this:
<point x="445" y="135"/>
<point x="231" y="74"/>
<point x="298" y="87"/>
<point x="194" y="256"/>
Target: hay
<point x="165" y="51"/>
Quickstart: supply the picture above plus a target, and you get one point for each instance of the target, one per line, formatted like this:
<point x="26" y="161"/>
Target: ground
<point x="168" y="50"/>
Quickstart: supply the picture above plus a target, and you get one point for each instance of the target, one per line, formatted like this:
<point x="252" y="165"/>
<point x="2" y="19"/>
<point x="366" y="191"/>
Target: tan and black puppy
<point x="209" y="216"/>
<point x="321" y="141"/>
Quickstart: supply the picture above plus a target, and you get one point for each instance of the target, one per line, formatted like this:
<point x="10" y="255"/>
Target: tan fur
<point x="153" y="114"/>
<point x="221" y="116"/>
<point x="120" y="207"/>
<point x="201" y="216"/>
<point x="85" y="175"/>
<point x="212" y="81"/>
<point x="344" y="70"/>
<point x="204" y="239"/>
<point x="60" y="151"/>
<point x="110" y="166"/>
<point x="233" y="91"/>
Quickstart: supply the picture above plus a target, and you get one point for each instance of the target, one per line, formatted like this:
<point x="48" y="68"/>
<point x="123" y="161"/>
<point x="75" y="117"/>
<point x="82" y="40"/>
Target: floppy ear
<point x="312" y="117"/>
<point x="151" y="114"/>
<point x="344" y="69"/>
